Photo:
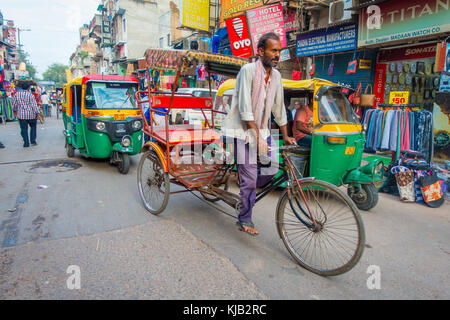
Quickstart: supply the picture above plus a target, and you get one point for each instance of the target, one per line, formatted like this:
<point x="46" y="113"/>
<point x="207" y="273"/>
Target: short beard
<point x="266" y="62"/>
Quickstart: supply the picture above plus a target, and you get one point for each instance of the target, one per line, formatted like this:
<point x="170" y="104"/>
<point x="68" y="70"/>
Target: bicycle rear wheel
<point x="336" y="243"/>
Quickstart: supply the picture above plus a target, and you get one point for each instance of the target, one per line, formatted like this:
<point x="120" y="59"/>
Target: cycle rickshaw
<point x="318" y="223"/>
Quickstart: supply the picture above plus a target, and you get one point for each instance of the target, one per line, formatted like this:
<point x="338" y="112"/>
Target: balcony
<point x="96" y="25"/>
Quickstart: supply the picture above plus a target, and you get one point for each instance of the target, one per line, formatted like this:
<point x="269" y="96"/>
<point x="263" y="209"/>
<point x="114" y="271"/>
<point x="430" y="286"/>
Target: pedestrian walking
<point x="45" y="103"/>
<point x="27" y="111"/>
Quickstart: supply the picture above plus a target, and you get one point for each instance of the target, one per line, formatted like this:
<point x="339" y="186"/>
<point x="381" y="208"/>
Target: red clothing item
<point x="305" y="116"/>
<point x="38" y="98"/>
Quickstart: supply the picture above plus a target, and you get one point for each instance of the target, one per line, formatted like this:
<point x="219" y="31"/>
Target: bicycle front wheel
<point x="153" y="183"/>
<point x="321" y="228"/>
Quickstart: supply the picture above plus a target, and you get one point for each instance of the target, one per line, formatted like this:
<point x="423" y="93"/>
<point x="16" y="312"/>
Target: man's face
<point x="297" y="105"/>
<point x="270" y="56"/>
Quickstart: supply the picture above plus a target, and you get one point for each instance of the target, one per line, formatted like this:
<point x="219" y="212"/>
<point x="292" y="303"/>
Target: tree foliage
<point x="24" y="57"/>
<point x="57" y="73"/>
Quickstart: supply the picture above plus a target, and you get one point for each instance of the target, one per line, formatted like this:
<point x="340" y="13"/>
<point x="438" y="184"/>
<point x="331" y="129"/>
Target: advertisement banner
<point x="240" y="41"/>
<point x="341" y="38"/>
<point x="195" y="14"/>
<point x="291" y="25"/>
<point x="232" y="8"/>
<point x="380" y="82"/>
<point x="266" y="19"/>
<point x="444" y="85"/>
<point x="11" y="34"/>
<point x="402" y="20"/>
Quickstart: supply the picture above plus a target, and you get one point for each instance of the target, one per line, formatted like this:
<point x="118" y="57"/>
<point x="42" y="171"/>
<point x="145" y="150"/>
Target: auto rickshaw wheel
<point x="153" y="183"/>
<point x="124" y="163"/>
<point x="70" y="150"/>
<point x="366" y="198"/>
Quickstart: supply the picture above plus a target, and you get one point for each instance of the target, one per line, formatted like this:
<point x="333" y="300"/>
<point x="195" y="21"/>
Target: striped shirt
<point x="25" y="105"/>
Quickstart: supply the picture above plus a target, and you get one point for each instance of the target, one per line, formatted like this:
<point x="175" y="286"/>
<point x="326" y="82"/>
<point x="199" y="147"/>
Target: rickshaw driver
<point x="258" y="94"/>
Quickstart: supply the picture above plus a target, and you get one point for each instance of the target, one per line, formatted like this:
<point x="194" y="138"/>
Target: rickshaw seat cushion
<point x="187" y="134"/>
<point x="182" y="102"/>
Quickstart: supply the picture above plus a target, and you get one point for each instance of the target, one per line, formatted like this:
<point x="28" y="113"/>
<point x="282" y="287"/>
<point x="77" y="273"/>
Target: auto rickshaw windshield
<point x="104" y="95"/>
<point x="334" y="107"/>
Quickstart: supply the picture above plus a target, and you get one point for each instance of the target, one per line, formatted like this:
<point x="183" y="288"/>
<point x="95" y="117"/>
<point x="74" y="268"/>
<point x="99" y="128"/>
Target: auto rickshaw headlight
<point x="137" y="125"/>
<point x="126" y="141"/>
<point x="100" y="126"/>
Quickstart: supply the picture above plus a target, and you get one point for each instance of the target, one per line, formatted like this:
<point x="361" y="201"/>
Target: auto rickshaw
<point x="64" y="103"/>
<point x="101" y="120"/>
<point x="338" y="139"/>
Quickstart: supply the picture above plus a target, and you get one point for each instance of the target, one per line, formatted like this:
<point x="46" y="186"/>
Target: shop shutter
<point x="341" y="60"/>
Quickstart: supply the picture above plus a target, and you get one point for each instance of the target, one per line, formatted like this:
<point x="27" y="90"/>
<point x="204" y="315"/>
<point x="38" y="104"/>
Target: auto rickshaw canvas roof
<point x="288" y="85"/>
<point x="183" y="60"/>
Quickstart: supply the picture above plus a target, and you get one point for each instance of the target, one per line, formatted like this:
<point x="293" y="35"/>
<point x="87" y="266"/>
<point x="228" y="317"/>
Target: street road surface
<point x="92" y="218"/>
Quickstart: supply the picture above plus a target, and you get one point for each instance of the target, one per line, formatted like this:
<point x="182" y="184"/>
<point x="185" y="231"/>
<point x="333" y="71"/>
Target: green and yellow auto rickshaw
<point x="338" y="138"/>
<point x="101" y="120"/>
<point x="64" y="103"/>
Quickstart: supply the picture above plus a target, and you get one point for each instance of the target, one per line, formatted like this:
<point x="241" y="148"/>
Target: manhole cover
<point x="53" y="166"/>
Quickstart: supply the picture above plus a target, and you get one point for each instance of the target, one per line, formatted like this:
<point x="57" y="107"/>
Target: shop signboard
<point x="403" y="20"/>
<point x="231" y="8"/>
<point x="336" y="39"/>
<point x="11" y="34"/>
<point x="365" y="64"/>
<point x="408" y="53"/>
<point x="285" y="55"/>
<point x="266" y="19"/>
<point x="240" y="40"/>
<point x="195" y="14"/>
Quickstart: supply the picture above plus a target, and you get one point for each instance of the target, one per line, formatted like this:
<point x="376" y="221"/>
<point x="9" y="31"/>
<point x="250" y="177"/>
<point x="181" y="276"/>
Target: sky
<point x="54" y="27"/>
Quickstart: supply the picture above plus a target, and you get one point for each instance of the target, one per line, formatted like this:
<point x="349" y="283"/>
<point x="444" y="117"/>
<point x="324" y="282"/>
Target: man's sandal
<point x="241" y="225"/>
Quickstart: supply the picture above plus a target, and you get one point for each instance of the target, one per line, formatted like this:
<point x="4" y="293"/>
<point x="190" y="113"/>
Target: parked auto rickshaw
<point x="64" y="103"/>
<point x="338" y="139"/>
<point x="101" y="120"/>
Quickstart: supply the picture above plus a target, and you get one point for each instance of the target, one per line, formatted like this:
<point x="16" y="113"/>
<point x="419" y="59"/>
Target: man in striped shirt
<point x="27" y="111"/>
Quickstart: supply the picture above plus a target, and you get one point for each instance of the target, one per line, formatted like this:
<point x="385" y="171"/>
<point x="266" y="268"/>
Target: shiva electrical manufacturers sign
<point x="336" y="39"/>
<point x="401" y="20"/>
<point x="195" y="14"/>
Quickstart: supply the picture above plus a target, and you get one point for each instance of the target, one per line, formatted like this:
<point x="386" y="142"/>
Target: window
<point x="168" y="40"/>
<point x="335" y="108"/>
<point x="161" y="43"/>
<point x="103" y="95"/>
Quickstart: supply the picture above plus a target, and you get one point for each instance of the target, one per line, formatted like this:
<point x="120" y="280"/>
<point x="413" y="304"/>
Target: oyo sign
<point x="241" y="44"/>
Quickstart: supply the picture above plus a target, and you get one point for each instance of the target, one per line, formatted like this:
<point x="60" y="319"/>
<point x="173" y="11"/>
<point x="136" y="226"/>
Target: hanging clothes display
<point x="398" y="129"/>
<point x="6" y="110"/>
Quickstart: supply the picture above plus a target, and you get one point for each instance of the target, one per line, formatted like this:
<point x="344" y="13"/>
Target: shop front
<point x="407" y="69"/>
<point x="409" y="115"/>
